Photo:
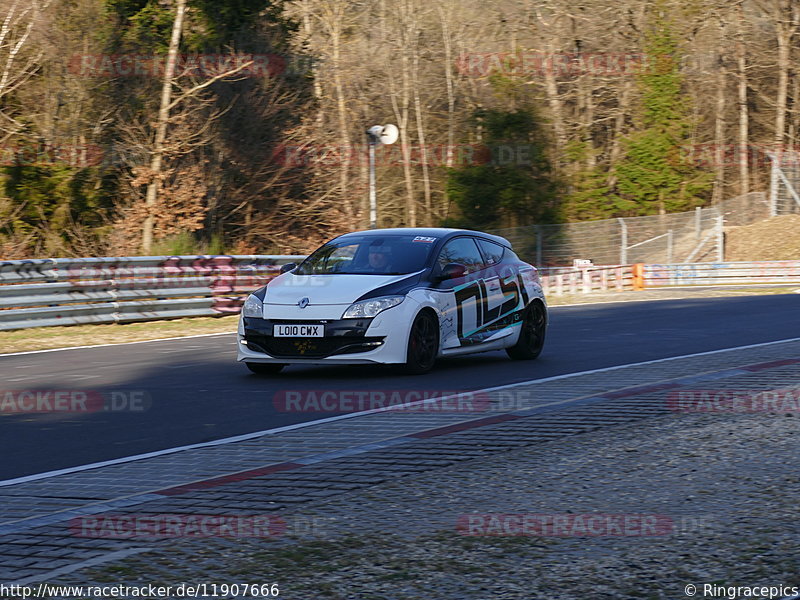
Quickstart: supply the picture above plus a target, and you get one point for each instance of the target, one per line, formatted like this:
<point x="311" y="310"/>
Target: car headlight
<point x="370" y="308"/>
<point x="253" y="307"/>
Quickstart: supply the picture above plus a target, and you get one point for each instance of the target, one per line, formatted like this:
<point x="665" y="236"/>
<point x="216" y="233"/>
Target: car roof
<point x="437" y="232"/>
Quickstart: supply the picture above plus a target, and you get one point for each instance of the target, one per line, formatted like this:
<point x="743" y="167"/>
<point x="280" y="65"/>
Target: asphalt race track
<point x="200" y="394"/>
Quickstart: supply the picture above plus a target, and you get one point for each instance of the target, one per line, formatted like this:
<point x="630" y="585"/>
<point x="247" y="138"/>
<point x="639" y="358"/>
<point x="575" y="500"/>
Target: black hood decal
<point x="397" y="288"/>
<point x="260" y="293"/>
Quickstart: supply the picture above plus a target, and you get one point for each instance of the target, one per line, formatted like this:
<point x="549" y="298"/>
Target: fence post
<point x="538" y="245"/>
<point x="670" y="246"/>
<point x="698" y="222"/>
<point x="623" y="250"/>
<point x="638" y="277"/>
<point x="773" y="185"/>
<point x="720" y="239"/>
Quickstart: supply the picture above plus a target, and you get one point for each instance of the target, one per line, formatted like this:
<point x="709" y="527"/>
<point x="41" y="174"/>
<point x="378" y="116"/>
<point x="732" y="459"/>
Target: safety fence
<point x="72" y="291"/>
<point x="692" y="236"/>
<point x="784" y="186"/>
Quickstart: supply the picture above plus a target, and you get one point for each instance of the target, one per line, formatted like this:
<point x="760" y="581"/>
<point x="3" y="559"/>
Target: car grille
<point x="311" y="347"/>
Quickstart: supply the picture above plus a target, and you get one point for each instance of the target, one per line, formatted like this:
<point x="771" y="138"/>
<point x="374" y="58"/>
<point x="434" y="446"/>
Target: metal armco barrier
<point x="64" y="291"/>
<point x="71" y="291"/>
<point x="722" y="273"/>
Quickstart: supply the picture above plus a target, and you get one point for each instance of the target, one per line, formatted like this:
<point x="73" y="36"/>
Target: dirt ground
<point x="772" y="239"/>
<point x="45" y="338"/>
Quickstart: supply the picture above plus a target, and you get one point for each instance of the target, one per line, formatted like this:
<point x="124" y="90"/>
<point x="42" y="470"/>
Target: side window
<point x="492" y="252"/>
<point x="462" y="251"/>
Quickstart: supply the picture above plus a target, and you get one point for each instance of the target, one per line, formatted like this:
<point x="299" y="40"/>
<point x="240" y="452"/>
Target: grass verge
<point x="45" y="338"/>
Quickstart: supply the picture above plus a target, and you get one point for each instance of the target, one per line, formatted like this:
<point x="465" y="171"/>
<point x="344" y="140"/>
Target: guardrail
<point x="720" y="273"/>
<point x="62" y="291"/>
<point x="72" y="291"/>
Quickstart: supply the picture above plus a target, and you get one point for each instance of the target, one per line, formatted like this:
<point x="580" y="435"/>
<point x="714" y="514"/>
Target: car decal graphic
<point x="510" y="320"/>
<point x="475" y="319"/>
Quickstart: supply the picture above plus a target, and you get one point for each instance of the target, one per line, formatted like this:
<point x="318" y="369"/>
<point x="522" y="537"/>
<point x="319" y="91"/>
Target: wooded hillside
<point x="182" y="126"/>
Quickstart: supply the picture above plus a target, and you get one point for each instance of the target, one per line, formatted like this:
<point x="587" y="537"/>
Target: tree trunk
<point x="341" y="110"/>
<point x="161" y="127"/>
<point x="619" y="126"/>
<point x="719" y="123"/>
<point x="418" y="112"/>
<point x="401" y="110"/>
<point x="405" y="148"/>
<point x="783" y="88"/>
<point x="447" y="43"/>
<point x="587" y="102"/>
<point x="554" y="102"/>
<point x="741" y="60"/>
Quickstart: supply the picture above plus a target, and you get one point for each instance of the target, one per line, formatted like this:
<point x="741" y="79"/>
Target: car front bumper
<point x="379" y="340"/>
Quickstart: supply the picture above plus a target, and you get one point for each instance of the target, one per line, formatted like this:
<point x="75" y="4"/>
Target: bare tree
<point x="159" y="149"/>
<point x="744" y="114"/>
<point x="786" y="19"/>
<point x="161" y="126"/>
<point x="18" y="59"/>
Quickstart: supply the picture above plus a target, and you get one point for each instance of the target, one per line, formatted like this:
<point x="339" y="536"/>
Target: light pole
<point x="377" y="135"/>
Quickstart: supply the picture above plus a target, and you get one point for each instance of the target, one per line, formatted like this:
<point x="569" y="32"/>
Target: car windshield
<point x="369" y="255"/>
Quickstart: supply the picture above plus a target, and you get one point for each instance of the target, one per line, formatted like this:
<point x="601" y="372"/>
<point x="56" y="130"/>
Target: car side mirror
<point x="452" y="271"/>
<point x="288" y="267"/>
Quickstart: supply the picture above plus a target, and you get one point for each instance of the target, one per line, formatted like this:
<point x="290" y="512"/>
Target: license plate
<point x="299" y="331"/>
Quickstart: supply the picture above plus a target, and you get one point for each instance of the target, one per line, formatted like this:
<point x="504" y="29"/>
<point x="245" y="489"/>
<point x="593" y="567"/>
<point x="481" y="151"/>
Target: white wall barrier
<point x="585" y="280"/>
<point x="722" y="273"/>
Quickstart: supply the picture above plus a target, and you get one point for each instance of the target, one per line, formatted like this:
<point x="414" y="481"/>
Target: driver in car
<point x="379" y="258"/>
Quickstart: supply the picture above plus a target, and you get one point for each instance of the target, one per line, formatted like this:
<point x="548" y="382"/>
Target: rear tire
<point x="531" y="336"/>
<point x="423" y="344"/>
<point x="265" y="368"/>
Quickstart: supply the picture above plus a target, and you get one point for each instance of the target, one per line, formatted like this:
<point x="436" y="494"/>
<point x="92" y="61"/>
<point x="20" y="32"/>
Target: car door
<point x="461" y="299"/>
<point x="505" y="292"/>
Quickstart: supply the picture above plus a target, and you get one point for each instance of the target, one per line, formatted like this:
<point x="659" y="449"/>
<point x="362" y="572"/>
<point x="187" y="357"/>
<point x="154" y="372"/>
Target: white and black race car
<point x="395" y="296"/>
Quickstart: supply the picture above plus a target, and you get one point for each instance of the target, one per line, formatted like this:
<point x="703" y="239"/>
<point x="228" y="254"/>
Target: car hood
<point x="289" y="289"/>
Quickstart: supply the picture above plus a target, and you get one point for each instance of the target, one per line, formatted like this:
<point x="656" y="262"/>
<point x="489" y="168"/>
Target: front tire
<point x="531" y="336"/>
<point x="423" y="344"/>
<point x="265" y="368"/>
